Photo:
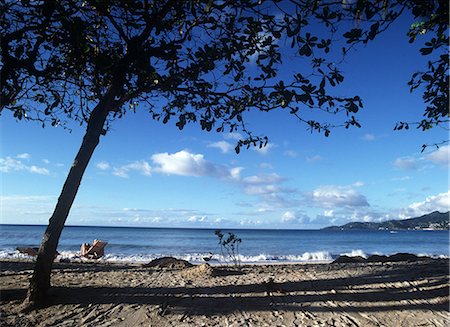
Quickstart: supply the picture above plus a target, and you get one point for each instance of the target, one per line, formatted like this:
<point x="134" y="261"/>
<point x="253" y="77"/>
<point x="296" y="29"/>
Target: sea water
<point x="128" y="244"/>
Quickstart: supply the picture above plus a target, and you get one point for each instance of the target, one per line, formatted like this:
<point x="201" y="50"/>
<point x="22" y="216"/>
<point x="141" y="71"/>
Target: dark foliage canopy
<point x="205" y="61"/>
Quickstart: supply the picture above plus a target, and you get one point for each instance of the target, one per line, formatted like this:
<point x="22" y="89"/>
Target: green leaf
<point x="305" y="50"/>
<point x="426" y="51"/>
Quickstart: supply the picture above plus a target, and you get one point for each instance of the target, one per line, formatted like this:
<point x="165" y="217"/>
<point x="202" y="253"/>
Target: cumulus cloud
<point x="38" y="170"/>
<point x="333" y="196"/>
<point x="103" y="165"/>
<point x="266" y="187"/>
<point x="233" y="136"/>
<point x="263" y="179"/>
<point x="440" y="156"/>
<point x="293" y="217"/>
<point x="407" y="163"/>
<point x="250" y="222"/>
<point x="197" y="219"/>
<point x="264" y="150"/>
<point x="144" y="217"/>
<point x="235" y="173"/>
<point x="439" y="202"/>
<point x="289" y="217"/>
<point x="262" y="189"/>
<point x="143" y="167"/>
<point x="328" y="213"/>
<point x="23" y="156"/>
<point x="223" y="146"/>
<point x="9" y="165"/>
<point x="184" y="163"/>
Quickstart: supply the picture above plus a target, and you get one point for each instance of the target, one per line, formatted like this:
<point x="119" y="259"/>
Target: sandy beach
<point x="351" y="294"/>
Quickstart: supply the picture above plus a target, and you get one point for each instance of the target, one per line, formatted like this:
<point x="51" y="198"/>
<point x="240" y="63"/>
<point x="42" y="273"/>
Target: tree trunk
<point x="40" y="281"/>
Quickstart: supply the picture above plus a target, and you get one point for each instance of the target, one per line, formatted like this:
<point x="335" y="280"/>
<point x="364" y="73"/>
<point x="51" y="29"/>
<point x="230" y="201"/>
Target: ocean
<point x="129" y="244"/>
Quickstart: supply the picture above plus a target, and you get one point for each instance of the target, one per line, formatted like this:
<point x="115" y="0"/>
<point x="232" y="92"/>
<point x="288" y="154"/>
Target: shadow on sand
<point x="368" y="293"/>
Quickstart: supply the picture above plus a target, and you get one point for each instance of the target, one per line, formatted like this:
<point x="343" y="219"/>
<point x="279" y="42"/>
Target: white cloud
<point x="369" y="137"/>
<point x="263" y="179"/>
<point x="140" y="216"/>
<point x="332" y="196"/>
<point x="103" y="165"/>
<point x="143" y="167"/>
<point x="262" y="189"/>
<point x="184" y="163"/>
<point x="8" y="165"/>
<point x="328" y="213"/>
<point x="235" y="173"/>
<point x="294" y="217"/>
<point x="289" y="217"/>
<point x="265" y="165"/>
<point x="439" y="202"/>
<point x="197" y="219"/>
<point x="223" y="146"/>
<point x="264" y="150"/>
<point x="313" y="159"/>
<point x="249" y="222"/>
<point x="38" y="170"/>
<point x="440" y="156"/>
<point x="291" y="153"/>
<point x="120" y="173"/>
<point x="399" y="179"/>
<point x="233" y="136"/>
<point x="26" y="209"/>
<point x="407" y="163"/>
<point x="46" y="161"/>
<point x="267" y="187"/>
<point x="23" y="156"/>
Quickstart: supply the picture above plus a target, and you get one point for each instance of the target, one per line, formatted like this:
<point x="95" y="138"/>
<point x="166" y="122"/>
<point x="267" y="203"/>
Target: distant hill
<point x="432" y="221"/>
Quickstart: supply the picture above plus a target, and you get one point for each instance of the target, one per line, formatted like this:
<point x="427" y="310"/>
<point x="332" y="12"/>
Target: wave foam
<point x="356" y="253"/>
<point x="318" y="256"/>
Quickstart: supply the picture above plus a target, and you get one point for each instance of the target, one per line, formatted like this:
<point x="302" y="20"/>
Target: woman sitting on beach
<point x="96" y="251"/>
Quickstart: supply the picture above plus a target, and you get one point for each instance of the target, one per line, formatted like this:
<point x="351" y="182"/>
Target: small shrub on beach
<point x="229" y="246"/>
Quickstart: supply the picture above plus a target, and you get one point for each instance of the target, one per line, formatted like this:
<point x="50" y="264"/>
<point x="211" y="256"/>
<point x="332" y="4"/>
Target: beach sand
<point x="363" y="294"/>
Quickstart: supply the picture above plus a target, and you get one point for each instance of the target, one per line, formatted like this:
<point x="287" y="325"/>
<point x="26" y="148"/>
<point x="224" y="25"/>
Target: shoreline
<point x="333" y="294"/>
<point x="112" y="259"/>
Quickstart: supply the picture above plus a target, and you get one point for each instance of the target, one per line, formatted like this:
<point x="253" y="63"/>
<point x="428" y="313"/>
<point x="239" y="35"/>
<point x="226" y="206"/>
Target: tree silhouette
<point x="201" y="61"/>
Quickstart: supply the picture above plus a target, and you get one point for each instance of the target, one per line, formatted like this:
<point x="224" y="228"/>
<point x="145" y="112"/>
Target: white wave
<point x="196" y="258"/>
<point x="440" y="256"/>
<point x="356" y="253"/>
<point x="13" y="254"/>
<point x="320" y="256"/>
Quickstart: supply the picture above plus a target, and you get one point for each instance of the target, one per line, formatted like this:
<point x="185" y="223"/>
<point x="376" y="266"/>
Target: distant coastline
<point x="432" y="221"/>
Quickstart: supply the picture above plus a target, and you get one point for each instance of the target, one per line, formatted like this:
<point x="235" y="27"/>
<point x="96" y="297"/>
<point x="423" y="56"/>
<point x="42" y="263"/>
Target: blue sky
<point x="145" y="173"/>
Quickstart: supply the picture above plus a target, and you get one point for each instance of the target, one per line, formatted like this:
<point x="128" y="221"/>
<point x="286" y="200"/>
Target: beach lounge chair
<point x="30" y="251"/>
<point x="33" y="252"/>
<point x="96" y="251"/>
